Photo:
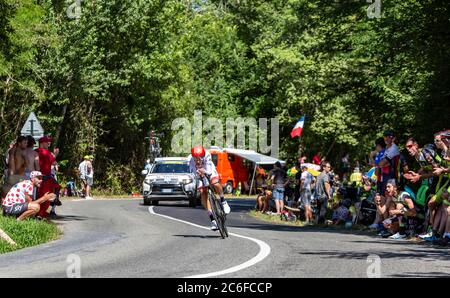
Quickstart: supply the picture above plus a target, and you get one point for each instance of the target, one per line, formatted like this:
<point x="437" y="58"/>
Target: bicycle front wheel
<point x="218" y="215"/>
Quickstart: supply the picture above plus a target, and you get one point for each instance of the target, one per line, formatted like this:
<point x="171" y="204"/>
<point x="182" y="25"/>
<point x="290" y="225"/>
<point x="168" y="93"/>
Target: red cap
<point x="45" y="139"/>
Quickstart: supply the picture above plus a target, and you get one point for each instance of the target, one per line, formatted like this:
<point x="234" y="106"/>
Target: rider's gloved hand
<point x="201" y="172"/>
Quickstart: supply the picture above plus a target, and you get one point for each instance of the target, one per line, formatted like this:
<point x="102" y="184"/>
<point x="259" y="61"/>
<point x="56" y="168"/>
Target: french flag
<point x="297" y="131"/>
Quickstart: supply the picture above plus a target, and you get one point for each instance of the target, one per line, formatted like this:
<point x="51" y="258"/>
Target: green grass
<point x="277" y="220"/>
<point x="107" y="193"/>
<point x="26" y="233"/>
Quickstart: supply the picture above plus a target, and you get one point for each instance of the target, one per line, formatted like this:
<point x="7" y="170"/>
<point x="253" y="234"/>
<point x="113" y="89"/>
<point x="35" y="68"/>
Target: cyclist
<point x="200" y="163"/>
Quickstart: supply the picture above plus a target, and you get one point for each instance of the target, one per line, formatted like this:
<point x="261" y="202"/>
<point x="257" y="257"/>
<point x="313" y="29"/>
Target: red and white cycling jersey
<point x="206" y="163"/>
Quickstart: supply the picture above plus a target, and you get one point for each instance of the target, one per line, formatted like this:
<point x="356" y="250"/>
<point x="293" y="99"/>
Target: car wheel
<point x="228" y="188"/>
<point x="147" y="201"/>
<point x="155" y="203"/>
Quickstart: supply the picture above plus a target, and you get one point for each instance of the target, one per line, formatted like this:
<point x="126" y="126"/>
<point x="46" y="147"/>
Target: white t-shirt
<point x="307" y="179"/>
<point x="16" y="195"/>
<point x="86" y="169"/>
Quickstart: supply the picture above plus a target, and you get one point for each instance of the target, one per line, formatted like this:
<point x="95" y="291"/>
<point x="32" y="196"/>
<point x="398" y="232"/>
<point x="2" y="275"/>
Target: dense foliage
<point x="127" y="66"/>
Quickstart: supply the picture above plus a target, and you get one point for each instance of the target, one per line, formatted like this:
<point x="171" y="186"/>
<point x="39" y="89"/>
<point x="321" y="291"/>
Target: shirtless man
<point x="17" y="161"/>
<point x="32" y="158"/>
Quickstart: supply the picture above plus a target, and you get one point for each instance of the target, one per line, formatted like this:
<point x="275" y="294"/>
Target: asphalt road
<point x="123" y="238"/>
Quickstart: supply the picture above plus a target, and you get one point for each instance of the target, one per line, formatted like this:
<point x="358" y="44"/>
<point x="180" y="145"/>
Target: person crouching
<point x="400" y="208"/>
<point x="19" y="200"/>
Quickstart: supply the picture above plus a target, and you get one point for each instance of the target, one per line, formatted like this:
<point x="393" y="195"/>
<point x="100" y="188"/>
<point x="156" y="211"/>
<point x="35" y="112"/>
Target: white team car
<point x="168" y="179"/>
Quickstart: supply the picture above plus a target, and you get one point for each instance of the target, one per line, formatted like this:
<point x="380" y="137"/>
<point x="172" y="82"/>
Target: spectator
<point x="279" y="182"/>
<point x="442" y="141"/>
<point x="49" y="184"/>
<point x="86" y="176"/>
<point x="382" y="214"/>
<point x="356" y="177"/>
<point x="19" y="200"/>
<point x="297" y="178"/>
<point x="32" y="157"/>
<point x="342" y="213"/>
<point x="345" y="166"/>
<point x="323" y="190"/>
<point x="306" y="180"/>
<point x="316" y="158"/>
<point x="376" y="156"/>
<point x="400" y="206"/>
<point x="54" y="173"/>
<point x="263" y="193"/>
<point x="290" y="192"/>
<point x="418" y="173"/>
<point x="441" y="169"/>
<point x="260" y="190"/>
<point x="390" y="160"/>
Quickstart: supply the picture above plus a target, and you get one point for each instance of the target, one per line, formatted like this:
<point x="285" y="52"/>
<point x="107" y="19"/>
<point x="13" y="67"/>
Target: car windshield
<point x="171" y="168"/>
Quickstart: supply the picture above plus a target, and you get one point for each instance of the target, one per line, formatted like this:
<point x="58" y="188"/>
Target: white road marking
<point x="264" y="249"/>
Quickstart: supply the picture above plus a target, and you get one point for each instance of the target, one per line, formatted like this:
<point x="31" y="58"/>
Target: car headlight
<point x="149" y="181"/>
<point x="187" y="180"/>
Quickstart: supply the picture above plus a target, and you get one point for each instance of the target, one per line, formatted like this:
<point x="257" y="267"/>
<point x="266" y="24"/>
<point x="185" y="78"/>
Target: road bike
<point x="216" y="206"/>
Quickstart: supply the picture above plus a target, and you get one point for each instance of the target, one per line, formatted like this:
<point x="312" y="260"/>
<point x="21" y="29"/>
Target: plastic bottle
<point x="238" y="190"/>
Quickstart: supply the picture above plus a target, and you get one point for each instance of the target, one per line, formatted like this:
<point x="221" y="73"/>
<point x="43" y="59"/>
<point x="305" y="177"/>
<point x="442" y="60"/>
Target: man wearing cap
<point x="46" y="159"/>
<point x="19" y="200"/>
<point x="389" y="161"/>
<point x="86" y="176"/>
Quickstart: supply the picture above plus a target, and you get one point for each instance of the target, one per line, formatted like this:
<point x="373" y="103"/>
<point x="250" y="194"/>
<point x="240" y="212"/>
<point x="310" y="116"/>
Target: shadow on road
<point x="416" y="254"/>
<point x="196" y="236"/>
<point x="239" y="218"/>
<point x="422" y="274"/>
<point x="168" y="204"/>
<point x="70" y="218"/>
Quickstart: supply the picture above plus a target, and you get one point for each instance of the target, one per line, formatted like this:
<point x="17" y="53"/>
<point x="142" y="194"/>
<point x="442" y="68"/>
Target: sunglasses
<point x="409" y="146"/>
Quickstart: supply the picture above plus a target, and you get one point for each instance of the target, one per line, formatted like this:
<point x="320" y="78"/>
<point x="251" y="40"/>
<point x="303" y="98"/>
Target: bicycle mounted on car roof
<point x="154" y="148"/>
